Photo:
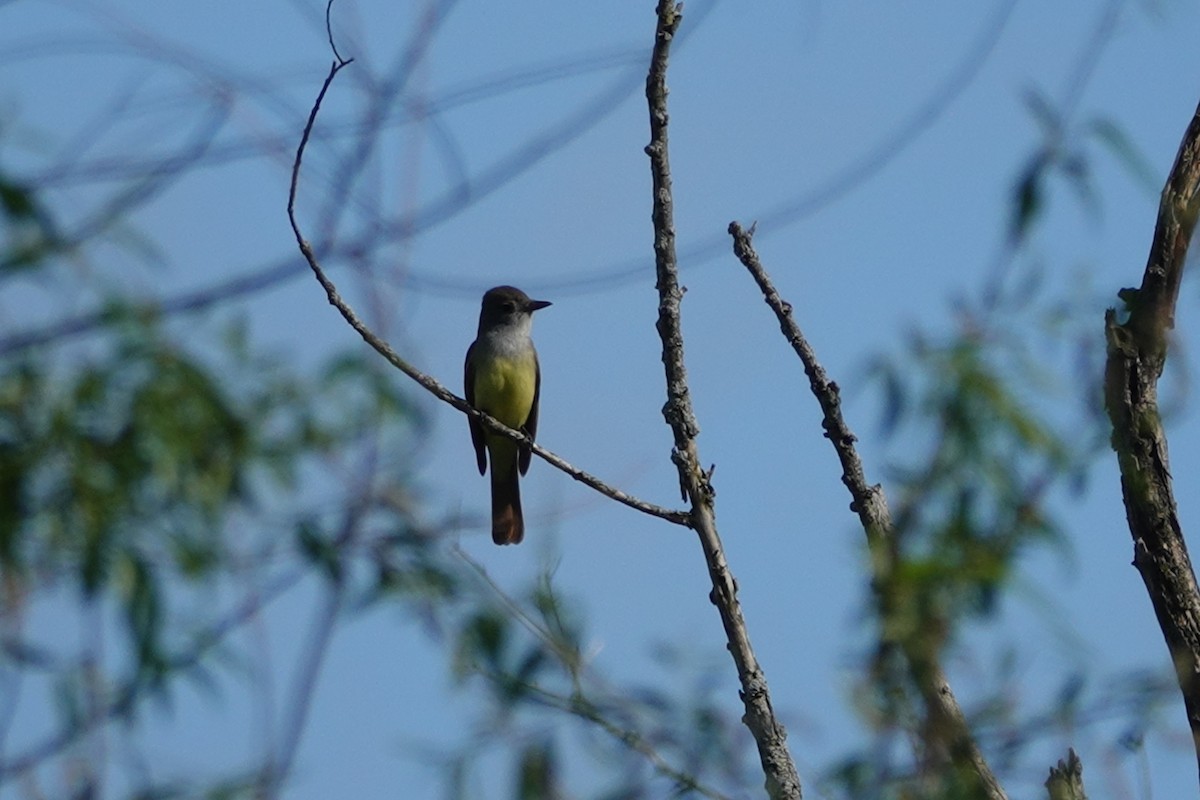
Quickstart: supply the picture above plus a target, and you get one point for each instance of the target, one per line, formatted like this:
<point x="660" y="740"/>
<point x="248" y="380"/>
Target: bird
<point x="503" y="379"/>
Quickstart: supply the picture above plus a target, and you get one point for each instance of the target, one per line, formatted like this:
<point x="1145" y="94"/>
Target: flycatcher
<point x="503" y="379"/>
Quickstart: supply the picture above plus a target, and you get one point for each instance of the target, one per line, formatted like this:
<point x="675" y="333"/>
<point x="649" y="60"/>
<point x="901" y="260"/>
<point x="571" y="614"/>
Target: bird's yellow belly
<point x="505" y="389"/>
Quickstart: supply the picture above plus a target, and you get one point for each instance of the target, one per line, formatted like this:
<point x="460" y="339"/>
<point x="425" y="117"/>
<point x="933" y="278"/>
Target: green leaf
<point x="143" y="614"/>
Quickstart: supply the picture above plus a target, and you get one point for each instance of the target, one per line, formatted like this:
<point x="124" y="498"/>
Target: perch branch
<point x="428" y="383"/>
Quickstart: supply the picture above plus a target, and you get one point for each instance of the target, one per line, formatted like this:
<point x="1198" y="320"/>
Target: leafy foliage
<point x="139" y="474"/>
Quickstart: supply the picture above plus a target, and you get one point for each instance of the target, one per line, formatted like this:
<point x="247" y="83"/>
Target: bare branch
<point x="782" y="780"/>
<point x="329" y="33"/>
<point x="869" y="502"/>
<point x="945" y="724"/>
<point x="428" y="383"/>
<point x="1137" y="351"/>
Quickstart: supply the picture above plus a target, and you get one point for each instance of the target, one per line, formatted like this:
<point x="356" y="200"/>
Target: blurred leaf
<point x="413" y="573"/>
<point x="143" y="613"/>
<point x="967" y="509"/>
<point x="235" y="788"/>
<point x="363" y="390"/>
<point x="319" y="550"/>
<point x="1044" y="114"/>
<point x="482" y="642"/>
<point x="895" y="400"/>
<point x="30" y="233"/>
<point x="1076" y="168"/>
<point x="536" y="771"/>
<point x="1127" y="154"/>
<point x="1132" y="740"/>
<point x="562" y="627"/>
<point x="1028" y="198"/>
<point x="527" y="671"/>
<point x="16" y="200"/>
<point x="68" y="697"/>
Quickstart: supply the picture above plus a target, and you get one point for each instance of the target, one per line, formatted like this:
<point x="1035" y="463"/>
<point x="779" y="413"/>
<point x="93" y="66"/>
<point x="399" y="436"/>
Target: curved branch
<point x="428" y="383"/>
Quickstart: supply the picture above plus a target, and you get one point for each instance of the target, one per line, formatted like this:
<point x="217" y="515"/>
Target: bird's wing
<point x="476" y="427"/>
<point x="530" y="426"/>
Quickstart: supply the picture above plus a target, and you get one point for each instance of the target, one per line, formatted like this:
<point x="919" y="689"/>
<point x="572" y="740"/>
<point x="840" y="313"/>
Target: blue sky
<point x="774" y="106"/>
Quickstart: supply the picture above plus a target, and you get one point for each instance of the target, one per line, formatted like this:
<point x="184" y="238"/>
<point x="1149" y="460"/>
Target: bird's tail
<point x="508" y="525"/>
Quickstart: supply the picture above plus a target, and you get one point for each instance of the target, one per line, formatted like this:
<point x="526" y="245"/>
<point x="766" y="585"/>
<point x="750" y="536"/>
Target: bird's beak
<point x="534" y="305"/>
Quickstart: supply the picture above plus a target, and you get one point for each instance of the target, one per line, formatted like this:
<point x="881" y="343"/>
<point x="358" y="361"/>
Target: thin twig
<point x="464" y="194"/>
<point x="329" y="33"/>
<point x="278" y="767"/>
<point x="383" y="97"/>
<point x="610" y="275"/>
<point x="425" y="381"/>
<point x="578" y="703"/>
<point x="782" y="780"/>
<point x="944" y="717"/>
<point x="869" y="501"/>
<point x="583" y="708"/>
<point x="570" y="657"/>
<point x="124" y="700"/>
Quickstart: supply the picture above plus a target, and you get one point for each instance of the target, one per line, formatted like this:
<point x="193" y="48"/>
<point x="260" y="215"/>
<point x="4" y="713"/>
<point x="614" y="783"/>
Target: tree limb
<point x="782" y="780"/>
<point x="1137" y="351"/>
